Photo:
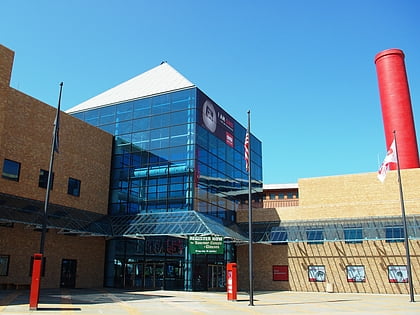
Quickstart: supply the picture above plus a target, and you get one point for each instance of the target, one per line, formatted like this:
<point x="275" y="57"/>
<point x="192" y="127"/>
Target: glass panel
<point x="394" y="234"/>
<point x="125" y="111"/>
<point x="141" y="124"/>
<point x="180" y="117"/>
<point x="315" y="236"/>
<point x="73" y="187"/>
<point x="107" y="115"/>
<point x="4" y="265"/>
<point x="11" y="170"/>
<point x="353" y="235"/>
<point x="142" y="108"/>
<point x="161" y="104"/>
<point x="92" y="117"/>
<point x="43" y="179"/>
<point x="123" y="127"/>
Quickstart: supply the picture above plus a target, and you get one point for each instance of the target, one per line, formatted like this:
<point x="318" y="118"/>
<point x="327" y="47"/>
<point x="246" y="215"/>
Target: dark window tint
<point x="11" y="170"/>
<point x="394" y="234"/>
<point x="4" y="265"/>
<point x="353" y="235"/>
<point x="43" y="179"/>
<point x="73" y="187"/>
<point x="315" y="236"/>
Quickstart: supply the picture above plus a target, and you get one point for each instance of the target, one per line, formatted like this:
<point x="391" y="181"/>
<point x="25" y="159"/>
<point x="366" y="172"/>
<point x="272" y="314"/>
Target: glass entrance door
<point x="153" y="276"/>
<point x="68" y="273"/>
<point x="134" y="275"/>
<point x="216" y="277"/>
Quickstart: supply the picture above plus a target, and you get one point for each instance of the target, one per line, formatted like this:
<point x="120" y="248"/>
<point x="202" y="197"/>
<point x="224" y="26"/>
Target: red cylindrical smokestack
<point x="396" y="106"/>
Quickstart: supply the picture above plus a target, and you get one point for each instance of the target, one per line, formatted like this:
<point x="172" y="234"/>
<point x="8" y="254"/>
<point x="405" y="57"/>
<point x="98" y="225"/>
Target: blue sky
<point x="304" y="68"/>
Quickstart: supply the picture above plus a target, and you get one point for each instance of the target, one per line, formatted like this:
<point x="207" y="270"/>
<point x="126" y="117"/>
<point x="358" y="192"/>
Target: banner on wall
<point x="206" y="244"/>
<point x="215" y="120"/>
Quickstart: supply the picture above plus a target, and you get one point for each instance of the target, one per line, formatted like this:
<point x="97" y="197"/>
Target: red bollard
<point x="36" y="282"/>
<point x="231" y="281"/>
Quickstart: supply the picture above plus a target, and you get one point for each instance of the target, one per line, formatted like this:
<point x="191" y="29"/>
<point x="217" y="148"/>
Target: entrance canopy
<point x="68" y="220"/>
<point x="180" y="224"/>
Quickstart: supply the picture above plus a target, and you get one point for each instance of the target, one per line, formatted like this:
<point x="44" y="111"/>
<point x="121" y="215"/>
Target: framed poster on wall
<point x="397" y="274"/>
<point x="316" y="273"/>
<point x="356" y="273"/>
<point x="280" y="273"/>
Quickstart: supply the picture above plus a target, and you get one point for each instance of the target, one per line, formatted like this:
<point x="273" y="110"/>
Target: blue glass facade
<point x="177" y="151"/>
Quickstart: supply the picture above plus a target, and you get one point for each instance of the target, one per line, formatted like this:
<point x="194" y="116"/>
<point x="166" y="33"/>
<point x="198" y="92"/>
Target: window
<point x="356" y="273"/>
<point x="353" y="235"/>
<point x="394" y="234"/>
<point x="316" y="273"/>
<point x="43" y="179"/>
<point x="4" y="265"/>
<point x="272" y="196"/>
<point x="315" y="236"/>
<point x="73" y="187"/>
<point x="11" y="170"/>
<point x="281" y="195"/>
<point x="278" y="235"/>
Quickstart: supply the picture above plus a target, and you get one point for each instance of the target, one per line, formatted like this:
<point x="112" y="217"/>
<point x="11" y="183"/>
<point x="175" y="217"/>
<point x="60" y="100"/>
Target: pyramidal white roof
<point x="160" y="79"/>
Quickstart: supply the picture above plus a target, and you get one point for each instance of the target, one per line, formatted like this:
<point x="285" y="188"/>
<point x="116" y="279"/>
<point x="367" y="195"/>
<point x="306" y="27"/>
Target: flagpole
<point x="50" y="170"/>
<point x="251" y="272"/>
<point x="407" y="246"/>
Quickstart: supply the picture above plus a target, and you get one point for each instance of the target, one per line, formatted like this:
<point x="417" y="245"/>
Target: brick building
<point x="345" y="235"/>
<point x="127" y="223"/>
<point x="78" y="199"/>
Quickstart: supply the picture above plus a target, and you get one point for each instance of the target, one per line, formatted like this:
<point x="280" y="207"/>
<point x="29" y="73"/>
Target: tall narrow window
<point x="4" y="265"/>
<point x="11" y="170"/>
<point x="43" y="179"/>
<point x="73" y="187"/>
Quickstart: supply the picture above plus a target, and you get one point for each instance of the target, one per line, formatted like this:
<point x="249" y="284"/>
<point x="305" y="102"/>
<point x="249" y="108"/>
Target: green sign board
<point x="206" y="244"/>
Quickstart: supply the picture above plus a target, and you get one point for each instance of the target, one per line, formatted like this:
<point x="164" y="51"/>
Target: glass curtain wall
<point x="153" y="158"/>
<point x="173" y="152"/>
<point x="222" y="180"/>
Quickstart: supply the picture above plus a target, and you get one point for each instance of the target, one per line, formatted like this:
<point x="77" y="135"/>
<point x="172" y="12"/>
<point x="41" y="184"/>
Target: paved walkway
<point x="120" y="302"/>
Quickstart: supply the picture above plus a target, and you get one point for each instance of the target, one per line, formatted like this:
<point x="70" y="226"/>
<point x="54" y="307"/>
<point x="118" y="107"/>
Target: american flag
<point x="246" y="147"/>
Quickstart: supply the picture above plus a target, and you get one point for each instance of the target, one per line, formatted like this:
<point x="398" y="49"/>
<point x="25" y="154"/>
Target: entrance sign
<point x="206" y="244"/>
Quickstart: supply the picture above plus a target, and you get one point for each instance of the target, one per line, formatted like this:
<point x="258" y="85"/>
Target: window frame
<point x="391" y="232"/>
<point x="8" y="177"/>
<point x="7" y="264"/>
<point x="312" y="236"/>
<point x="71" y="191"/>
<point x="41" y="183"/>
<point x="355" y="237"/>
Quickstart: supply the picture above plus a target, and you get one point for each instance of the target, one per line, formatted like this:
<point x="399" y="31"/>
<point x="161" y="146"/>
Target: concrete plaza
<point x="123" y="302"/>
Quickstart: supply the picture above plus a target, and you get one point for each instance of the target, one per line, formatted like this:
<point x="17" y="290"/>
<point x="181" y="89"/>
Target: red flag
<point x="246" y="147"/>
